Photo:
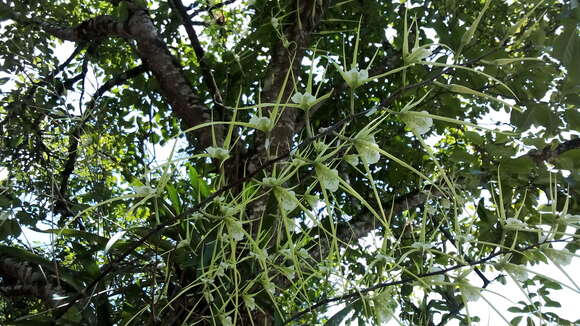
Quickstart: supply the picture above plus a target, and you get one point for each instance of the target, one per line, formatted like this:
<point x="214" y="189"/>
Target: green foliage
<point x="368" y="161"/>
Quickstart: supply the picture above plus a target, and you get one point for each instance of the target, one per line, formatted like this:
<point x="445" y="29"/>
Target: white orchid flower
<point x="419" y="124"/>
<point x="367" y="148"/>
<point x="327" y="177"/>
<point x="286" y="198"/>
<point x="561" y="257"/>
<point x="418" y="54"/>
<point x="264" y="124"/>
<point x="306" y="100"/>
<point x="354" y="77"/>
<point x="218" y="153"/>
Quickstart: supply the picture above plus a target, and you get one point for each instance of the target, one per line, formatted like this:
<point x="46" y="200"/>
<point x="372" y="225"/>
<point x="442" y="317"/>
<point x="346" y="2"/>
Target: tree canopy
<point x="286" y="162"/>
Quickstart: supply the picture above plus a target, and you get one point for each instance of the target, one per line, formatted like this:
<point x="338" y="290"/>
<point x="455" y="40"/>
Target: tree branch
<point x="210" y="8"/>
<point x="208" y="77"/>
<point x="548" y="153"/>
<point x="61" y="205"/>
<point x="286" y="58"/>
<point x="153" y="52"/>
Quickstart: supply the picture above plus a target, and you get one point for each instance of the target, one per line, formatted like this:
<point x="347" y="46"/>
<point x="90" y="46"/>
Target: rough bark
<point x="285" y="61"/>
<point x="21" y="279"/>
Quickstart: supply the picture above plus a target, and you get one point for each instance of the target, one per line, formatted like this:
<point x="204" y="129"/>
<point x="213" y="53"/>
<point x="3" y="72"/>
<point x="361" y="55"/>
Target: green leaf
<point x="174" y="197"/>
<point x="337" y="318"/>
<point x="9" y="228"/>
<point x="569" y="160"/>
<point x="551" y="303"/>
<point x="197" y="183"/>
<point x="516" y="321"/>
<point x="515" y="309"/>
<point x="521" y="165"/>
<point x="114" y="239"/>
<point x="72" y="233"/>
<point x="572" y="118"/>
<point x="567" y="49"/>
<point x="474" y="137"/>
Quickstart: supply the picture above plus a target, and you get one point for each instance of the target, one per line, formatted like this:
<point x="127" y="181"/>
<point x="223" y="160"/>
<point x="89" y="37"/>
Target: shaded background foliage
<point x="82" y="134"/>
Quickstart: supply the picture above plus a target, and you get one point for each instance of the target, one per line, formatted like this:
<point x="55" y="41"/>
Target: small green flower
<point x="305" y="100"/>
<point x="144" y="190"/>
<point x="351" y="159"/>
<point x="419" y="124"/>
<point x="354" y="77"/>
<point x="367" y="148"/>
<point x="218" y="153"/>
<point x="249" y="302"/>
<point x="384" y="305"/>
<point x="438" y="278"/>
<point x="235" y="229"/>
<point x="270" y="182"/>
<point x="298" y="162"/>
<point x="226" y="321"/>
<point x="222" y="268"/>
<point x="320" y="146"/>
<point x="382" y="259"/>
<point x="418" y="54"/>
<point x="312" y="200"/>
<point x="286" y="198"/>
<point x="289" y="272"/>
<point x="470" y="292"/>
<point x="518" y="272"/>
<point x="208" y="296"/>
<point x="264" y="124"/>
<point x="303" y="253"/>
<point x="465" y="237"/>
<point x="274" y="22"/>
<point x="228" y="210"/>
<point x="327" y="177"/>
<point x="260" y="254"/>
<point x="560" y="257"/>
<point x="514" y="223"/>
<point x="269" y="286"/>
<point x="422" y="245"/>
